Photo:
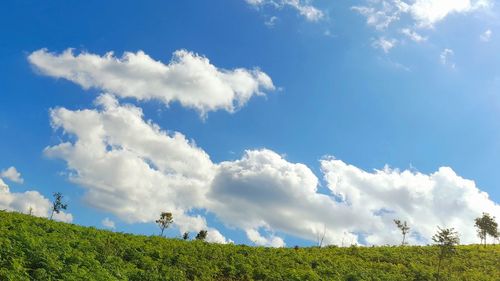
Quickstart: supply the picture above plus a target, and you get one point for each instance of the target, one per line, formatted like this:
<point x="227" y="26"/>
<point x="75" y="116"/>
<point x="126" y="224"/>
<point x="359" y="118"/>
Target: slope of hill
<point x="34" y="248"/>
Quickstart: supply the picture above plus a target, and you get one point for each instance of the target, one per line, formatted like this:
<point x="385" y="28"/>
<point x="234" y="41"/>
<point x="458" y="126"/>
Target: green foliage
<point x="486" y="225"/>
<point x="202" y="235"/>
<point x="165" y="220"/>
<point x="34" y="248"/>
<point x="447" y="240"/>
<point x="57" y="205"/>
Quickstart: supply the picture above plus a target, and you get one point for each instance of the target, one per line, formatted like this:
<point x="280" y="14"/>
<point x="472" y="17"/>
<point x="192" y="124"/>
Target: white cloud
<point x="271" y="21"/>
<point x="424" y="13"/>
<point x="385" y="44"/>
<point x="429" y="12"/>
<point x="135" y="170"/>
<point x="272" y="241"/>
<point x="446" y="58"/>
<point x="108" y="223"/>
<point x="189" y="78"/>
<point x="425" y="201"/>
<point x="131" y="167"/>
<point x="12" y="174"/>
<point x="379" y="17"/>
<point x="413" y="35"/>
<point x="486" y="36"/>
<point x="309" y="12"/>
<point x="28" y="202"/>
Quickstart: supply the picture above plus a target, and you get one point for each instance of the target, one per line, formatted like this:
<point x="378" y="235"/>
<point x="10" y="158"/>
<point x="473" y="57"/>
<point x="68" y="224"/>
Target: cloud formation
<point x="446" y="57"/>
<point x="188" y="78"/>
<point x="134" y="169"/>
<point x="12" y="174"/>
<point x="424" y="13"/>
<point x="417" y="15"/>
<point x="385" y="44"/>
<point x="306" y="10"/>
<point x="424" y="200"/>
<point x="108" y="223"/>
<point x="486" y="36"/>
<point x="29" y="202"/>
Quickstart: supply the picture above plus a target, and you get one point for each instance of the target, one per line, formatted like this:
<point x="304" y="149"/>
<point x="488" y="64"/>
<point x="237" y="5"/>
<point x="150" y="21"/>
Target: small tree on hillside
<point x="165" y="220"/>
<point x="403" y="226"/>
<point x="446" y="239"/>
<point x="57" y="204"/>
<point x="185" y="236"/>
<point x="202" y="235"/>
<point x="486" y="225"/>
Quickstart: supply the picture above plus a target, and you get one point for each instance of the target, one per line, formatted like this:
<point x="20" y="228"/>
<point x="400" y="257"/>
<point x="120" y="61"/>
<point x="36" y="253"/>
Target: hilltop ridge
<point x="33" y="248"/>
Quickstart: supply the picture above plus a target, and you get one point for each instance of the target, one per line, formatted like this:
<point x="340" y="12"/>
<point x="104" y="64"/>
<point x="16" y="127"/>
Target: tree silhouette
<point x="486" y="225"/>
<point x="165" y="220"/>
<point x="403" y="226"/>
<point x="446" y="239"/>
<point x="57" y="205"/>
<point x="202" y="235"/>
<point x="185" y="236"/>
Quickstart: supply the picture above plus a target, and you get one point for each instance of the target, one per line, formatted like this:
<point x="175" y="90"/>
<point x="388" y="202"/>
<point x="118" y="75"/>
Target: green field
<point x="34" y="248"/>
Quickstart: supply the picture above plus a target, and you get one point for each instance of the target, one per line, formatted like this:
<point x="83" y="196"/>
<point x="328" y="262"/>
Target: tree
<point x="321" y="236"/>
<point x="486" y="225"/>
<point x="185" y="236"/>
<point x="57" y="205"/>
<point x="165" y="220"/>
<point x="405" y="229"/>
<point x="446" y="239"/>
<point x="202" y="235"/>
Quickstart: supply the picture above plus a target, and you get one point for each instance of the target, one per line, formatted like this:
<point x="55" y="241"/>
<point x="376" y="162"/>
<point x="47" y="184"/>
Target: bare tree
<point x="321" y="236"/>
<point x="57" y="205"/>
<point x="405" y="229"/>
<point x="165" y="220"/>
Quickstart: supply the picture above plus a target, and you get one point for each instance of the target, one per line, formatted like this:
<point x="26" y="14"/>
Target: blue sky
<point x="413" y="87"/>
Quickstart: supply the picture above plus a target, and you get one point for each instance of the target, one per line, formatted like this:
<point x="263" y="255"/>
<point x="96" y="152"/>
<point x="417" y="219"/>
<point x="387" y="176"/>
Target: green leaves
<point x="33" y="248"/>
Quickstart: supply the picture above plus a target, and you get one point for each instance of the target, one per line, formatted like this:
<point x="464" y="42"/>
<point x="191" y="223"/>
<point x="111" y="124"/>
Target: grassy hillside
<point x="37" y="249"/>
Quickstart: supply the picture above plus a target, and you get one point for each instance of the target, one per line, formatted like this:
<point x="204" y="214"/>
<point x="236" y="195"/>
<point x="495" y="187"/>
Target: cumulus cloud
<point x="134" y="169"/>
<point x="189" y="78"/>
<point x="29" y="202"/>
<point x="486" y="36"/>
<point x="130" y="166"/>
<point x="424" y="200"/>
<point x="429" y="12"/>
<point x="306" y="10"/>
<point x="12" y="174"/>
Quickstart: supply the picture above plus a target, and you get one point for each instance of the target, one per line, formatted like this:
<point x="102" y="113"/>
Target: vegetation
<point x="404" y="228"/>
<point x="447" y="240"/>
<point x="165" y="220"/>
<point x="486" y="225"/>
<point x="202" y="235"/>
<point x="57" y="205"/>
<point x="34" y="248"/>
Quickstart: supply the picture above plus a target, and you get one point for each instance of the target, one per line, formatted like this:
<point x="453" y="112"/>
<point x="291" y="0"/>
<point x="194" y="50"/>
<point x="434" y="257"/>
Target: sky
<point x="265" y="122"/>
